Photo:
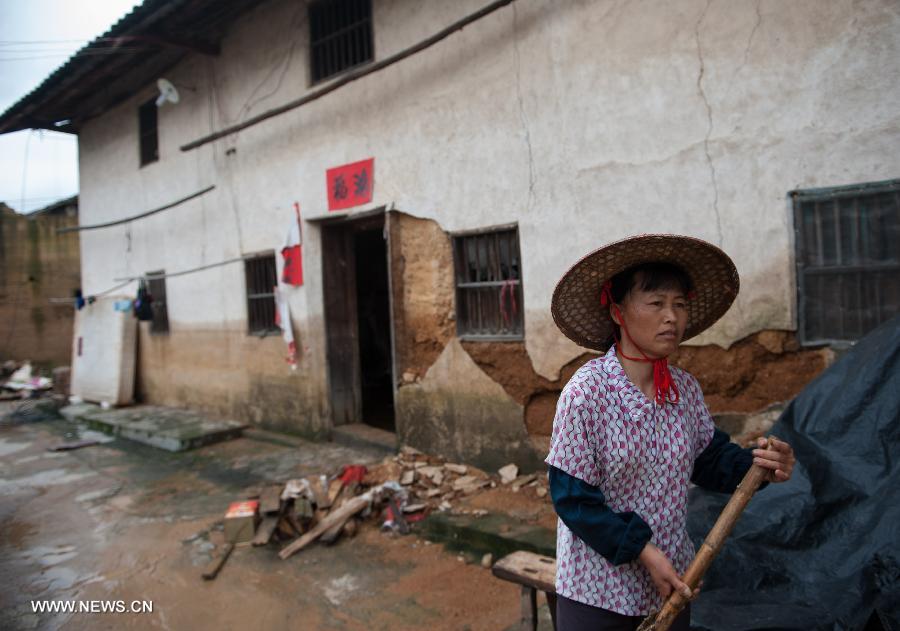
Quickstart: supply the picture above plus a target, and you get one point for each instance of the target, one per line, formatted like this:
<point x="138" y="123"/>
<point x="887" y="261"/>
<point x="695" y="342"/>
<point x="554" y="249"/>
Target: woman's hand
<point x="663" y="574"/>
<point x="779" y="459"/>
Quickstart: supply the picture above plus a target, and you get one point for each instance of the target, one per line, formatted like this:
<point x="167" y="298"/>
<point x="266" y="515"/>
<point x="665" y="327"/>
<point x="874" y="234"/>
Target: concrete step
<point x="171" y="429"/>
<point x="362" y="436"/>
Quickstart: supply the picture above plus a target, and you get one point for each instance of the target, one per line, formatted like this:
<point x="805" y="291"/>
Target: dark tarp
<point x="821" y="551"/>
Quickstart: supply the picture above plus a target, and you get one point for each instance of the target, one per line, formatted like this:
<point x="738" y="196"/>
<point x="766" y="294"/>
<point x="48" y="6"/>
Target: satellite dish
<point x="167" y="92"/>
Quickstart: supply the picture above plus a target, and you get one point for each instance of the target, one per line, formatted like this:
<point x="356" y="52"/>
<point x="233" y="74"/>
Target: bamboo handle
<point x="755" y="476"/>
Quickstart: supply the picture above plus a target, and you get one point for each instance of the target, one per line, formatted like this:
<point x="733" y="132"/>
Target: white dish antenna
<point x="167" y="92"/>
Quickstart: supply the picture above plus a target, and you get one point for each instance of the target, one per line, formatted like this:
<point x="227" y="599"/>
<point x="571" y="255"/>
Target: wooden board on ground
<point x="339" y="515"/>
<point x="266" y="530"/>
<point x="270" y="499"/>
<point x="215" y="566"/>
<point x="334" y="490"/>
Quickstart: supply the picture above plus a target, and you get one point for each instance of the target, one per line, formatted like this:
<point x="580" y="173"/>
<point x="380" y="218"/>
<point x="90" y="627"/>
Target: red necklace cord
<point x="665" y="387"/>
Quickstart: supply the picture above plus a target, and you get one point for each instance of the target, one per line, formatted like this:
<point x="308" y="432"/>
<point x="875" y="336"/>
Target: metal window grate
<point x="488" y="285"/>
<point x="340" y="36"/>
<point x="157" y="288"/>
<point x="848" y="260"/>
<point x="261" y="281"/>
<point x="147" y="130"/>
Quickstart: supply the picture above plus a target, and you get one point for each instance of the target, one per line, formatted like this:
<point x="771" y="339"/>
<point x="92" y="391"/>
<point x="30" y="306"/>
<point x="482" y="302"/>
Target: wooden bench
<point x="533" y="572"/>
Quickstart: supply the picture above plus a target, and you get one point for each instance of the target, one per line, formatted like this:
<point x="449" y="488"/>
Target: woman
<point x="631" y="433"/>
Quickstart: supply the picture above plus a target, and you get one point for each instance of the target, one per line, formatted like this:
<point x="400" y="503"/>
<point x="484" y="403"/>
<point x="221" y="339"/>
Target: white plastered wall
<point x="584" y="122"/>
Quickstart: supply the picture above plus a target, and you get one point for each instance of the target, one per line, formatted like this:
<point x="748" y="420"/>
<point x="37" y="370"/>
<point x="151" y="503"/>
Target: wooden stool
<point x="533" y="572"/>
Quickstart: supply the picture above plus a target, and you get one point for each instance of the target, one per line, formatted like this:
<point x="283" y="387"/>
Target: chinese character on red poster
<point x="351" y="184"/>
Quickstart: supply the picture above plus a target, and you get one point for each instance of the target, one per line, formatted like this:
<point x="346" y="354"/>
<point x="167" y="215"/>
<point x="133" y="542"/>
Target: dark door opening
<point x="358" y="322"/>
<point x="374" y="322"/>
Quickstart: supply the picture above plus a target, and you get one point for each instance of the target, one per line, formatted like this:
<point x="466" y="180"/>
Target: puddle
<point x="47" y="556"/>
<point x="90" y="434"/>
<point x="102" y="494"/>
<point x="7" y="447"/>
<point x="58" y="579"/>
<point x="51" y="477"/>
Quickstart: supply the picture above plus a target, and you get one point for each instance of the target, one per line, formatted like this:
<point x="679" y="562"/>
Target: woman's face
<point x="655" y="320"/>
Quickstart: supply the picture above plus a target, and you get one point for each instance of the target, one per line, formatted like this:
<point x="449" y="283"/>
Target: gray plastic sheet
<point x="822" y="551"/>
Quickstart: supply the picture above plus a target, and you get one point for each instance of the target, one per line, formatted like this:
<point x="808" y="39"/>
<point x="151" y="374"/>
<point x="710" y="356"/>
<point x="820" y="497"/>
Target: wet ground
<point x="120" y="521"/>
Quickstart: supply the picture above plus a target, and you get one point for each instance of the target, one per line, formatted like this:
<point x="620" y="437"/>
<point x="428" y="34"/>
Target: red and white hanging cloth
<point x="293" y="252"/>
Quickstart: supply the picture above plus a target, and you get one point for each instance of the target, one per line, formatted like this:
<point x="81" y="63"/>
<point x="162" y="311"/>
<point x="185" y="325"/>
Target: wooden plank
<point x="215" y="566"/>
<point x="266" y="529"/>
<point x="528" y="568"/>
<point x="320" y="493"/>
<point x="334" y="490"/>
<point x="332" y="534"/>
<point x="270" y="500"/>
<point x="78" y="444"/>
<point x="353" y="506"/>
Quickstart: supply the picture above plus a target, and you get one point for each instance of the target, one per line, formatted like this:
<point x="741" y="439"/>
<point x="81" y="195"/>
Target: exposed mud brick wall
<point x="762" y="369"/>
<point x="765" y="368"/>
<point x="423" y="293"/>
<point x="37" y="264"/>
<point x="508" y="364"/>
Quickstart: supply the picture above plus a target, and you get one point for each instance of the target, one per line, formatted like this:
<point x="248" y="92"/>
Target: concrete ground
<point x="126" y="522"/>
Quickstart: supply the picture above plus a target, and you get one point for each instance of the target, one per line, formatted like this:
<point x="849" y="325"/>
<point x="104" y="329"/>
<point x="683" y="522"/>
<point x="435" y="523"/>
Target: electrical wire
<point x="193" y="270"/>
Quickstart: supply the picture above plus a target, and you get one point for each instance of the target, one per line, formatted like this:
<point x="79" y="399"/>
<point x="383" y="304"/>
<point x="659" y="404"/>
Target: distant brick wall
<point x="37" y="264"/>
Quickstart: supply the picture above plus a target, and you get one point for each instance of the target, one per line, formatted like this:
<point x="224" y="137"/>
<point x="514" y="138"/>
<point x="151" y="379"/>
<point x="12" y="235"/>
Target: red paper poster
<point x="350" y="185"/>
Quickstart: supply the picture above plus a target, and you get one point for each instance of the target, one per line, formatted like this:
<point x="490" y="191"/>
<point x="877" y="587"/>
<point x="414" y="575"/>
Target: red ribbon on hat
<point x="665" y="387"/>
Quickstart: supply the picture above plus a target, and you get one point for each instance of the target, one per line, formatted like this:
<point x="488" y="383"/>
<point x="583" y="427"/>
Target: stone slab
<point x="166" y="428"/>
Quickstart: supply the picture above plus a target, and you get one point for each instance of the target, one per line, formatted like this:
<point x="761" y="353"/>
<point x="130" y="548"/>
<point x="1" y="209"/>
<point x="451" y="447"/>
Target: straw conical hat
<point x="576" y="304"/>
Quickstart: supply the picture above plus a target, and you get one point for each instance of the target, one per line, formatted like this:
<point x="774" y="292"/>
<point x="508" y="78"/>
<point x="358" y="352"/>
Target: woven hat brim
<point x="576" y="307"/>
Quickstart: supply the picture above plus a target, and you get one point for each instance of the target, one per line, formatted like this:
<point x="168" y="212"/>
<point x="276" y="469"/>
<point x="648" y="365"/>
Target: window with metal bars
<point x="340" y="35"/>
<point x="848" y="260"/>
<point x="488" y="284"/>
<point x="157" y="289"/>
<point x="261" y="281"/>
<point x="148" y="140"/>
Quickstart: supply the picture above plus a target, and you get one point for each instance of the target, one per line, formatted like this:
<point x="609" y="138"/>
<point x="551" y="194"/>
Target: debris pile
<point x="22" y="382"/>
<point x="399" y="491"/>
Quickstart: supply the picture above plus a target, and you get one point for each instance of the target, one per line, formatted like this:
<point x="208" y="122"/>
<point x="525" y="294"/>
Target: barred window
<point x="148" y="138"/>
<point x="488" y="284"/>
<point x="848" y="260"/>
<point x="261" y="281"/>
<point x="340" y="36"/>
<point x="157" y="289"/>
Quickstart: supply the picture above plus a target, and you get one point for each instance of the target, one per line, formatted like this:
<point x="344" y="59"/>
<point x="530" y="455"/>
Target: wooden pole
<point x="709" y="549"/>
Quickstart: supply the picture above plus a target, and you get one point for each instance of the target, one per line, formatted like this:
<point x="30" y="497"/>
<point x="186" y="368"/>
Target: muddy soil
<point x="120" y="521"/>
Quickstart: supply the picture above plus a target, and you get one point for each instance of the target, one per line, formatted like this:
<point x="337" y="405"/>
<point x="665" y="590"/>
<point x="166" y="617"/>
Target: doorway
<point x="358" y="322"/>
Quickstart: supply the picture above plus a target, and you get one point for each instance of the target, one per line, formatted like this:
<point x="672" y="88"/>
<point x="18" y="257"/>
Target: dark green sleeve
<point x="618" y="537"/>
<point x="722" y="465"/>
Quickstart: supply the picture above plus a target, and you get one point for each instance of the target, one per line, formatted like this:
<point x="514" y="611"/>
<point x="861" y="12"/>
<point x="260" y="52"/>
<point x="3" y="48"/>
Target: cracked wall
<point x="582" y="122"/>
<point x="765" y="368"/>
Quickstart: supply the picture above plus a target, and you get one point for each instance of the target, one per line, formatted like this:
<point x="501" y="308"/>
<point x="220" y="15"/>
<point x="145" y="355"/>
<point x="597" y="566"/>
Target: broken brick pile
<point x="399" y="491"/>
